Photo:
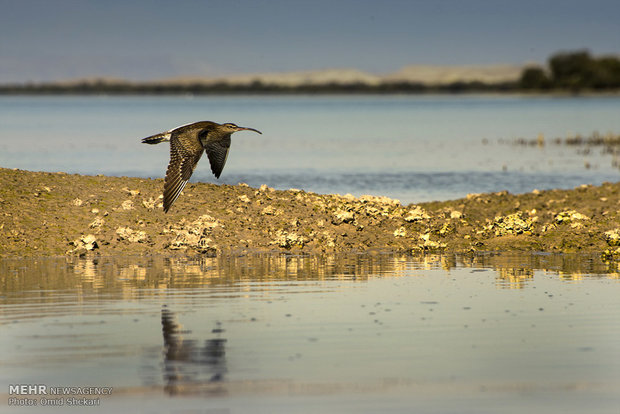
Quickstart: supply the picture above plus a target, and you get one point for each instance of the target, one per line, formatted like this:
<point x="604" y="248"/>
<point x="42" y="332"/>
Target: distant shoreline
<point x="257" y="88"/>
<point x="156" y="89"/>
<point x="575" y="72"/>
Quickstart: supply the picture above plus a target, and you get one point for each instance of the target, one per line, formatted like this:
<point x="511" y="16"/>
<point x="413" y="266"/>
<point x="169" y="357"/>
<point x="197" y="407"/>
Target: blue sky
<point x="43" y="40"/>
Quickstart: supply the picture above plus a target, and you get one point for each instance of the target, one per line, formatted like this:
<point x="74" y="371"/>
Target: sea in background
<point x="410" y="147"/>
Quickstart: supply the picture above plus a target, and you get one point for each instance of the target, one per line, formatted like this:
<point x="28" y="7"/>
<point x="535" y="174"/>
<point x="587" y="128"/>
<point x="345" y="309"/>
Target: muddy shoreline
<point x="48" y="214"/>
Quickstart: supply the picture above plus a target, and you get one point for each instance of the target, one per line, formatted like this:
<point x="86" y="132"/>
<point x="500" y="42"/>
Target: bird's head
<point x="229" y="127"/>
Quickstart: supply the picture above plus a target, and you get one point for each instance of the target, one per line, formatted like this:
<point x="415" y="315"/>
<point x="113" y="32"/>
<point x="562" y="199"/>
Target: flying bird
<point x="187" y="143"/>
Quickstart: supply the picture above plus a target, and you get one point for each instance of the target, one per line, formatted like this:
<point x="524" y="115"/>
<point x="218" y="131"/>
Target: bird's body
<point x="187" y="143"/>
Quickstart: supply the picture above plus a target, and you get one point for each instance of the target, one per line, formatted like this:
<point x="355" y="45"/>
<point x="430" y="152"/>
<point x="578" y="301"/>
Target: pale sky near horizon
<point x="46" y="40"/>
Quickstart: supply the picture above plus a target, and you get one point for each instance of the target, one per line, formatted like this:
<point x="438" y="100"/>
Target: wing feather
<point x="217" y="151"/>
<point x="185" y="152"/>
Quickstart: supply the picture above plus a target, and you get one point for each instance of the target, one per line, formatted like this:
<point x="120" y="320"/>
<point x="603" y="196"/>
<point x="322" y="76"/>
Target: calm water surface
<point x="414" y="148"/>
<point x="352" y="333"/>
<point x="365" y="333"/>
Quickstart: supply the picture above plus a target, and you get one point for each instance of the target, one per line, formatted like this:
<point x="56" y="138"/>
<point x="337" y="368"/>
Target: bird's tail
<point x="157" y="138"/>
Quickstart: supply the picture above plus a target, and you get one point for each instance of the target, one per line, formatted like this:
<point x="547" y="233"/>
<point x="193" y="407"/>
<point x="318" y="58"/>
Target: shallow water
<point x="348" y="333"/>
<point x="414" y="148"/>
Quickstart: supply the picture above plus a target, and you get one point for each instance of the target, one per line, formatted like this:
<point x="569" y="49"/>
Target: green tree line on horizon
<point x="573" y="72"/>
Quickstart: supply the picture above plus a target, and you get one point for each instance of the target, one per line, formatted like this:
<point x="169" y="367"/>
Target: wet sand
<point x="46" y="214"/>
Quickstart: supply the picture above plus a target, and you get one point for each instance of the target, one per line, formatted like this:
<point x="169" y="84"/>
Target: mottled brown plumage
<point x="187" y="143"/>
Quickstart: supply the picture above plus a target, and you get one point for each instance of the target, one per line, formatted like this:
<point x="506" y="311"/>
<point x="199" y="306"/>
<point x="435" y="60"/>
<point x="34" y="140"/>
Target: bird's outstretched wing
<point x="185" y="152"/>
<point x="217" y="151"/>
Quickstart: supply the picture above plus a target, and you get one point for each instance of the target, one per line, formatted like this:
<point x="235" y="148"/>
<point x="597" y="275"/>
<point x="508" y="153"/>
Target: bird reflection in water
<point x="189" y="367"/>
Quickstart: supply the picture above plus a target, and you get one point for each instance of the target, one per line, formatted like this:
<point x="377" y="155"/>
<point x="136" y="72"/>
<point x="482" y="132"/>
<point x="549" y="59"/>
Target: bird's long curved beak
<point x="249" y="129"/>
